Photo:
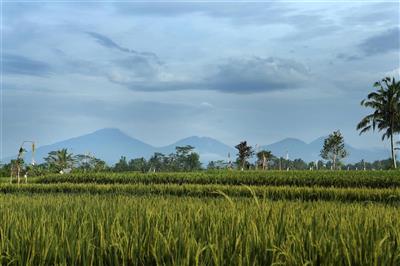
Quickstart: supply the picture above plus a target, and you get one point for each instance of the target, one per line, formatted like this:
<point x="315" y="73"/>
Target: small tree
<point x="121" y="165"/>
<point x="187" y="159"/>
<point x="333" y="149"/>
<point x="88" y="162"/>
<point x="138" y="164"/>
<point x="244" y="153"/>
<point x="157" y="162"/>
<point x="217" y="165"/>
<point x="193" y="162"/>
<point x="263" y="158"/>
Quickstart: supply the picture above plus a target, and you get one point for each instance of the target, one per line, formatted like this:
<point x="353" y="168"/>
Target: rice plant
<point x="372" y="179"/>
<point x="164" y="230"/>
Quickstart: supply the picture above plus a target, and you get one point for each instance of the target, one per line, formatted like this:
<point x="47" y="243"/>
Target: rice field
<point x="207" y="218"/>
<point x="372" y="179"/>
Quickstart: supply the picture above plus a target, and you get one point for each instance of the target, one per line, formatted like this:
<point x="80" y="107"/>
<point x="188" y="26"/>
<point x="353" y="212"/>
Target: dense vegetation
<point x="206" y="218"/>
<point x="121" y="230"/>
<point x="372" y="179"/>
<point x="212" y="191"/>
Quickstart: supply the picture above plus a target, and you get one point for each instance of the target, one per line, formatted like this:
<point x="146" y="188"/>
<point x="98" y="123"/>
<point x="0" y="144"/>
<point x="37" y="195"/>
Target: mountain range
<point x="109" y="144"/>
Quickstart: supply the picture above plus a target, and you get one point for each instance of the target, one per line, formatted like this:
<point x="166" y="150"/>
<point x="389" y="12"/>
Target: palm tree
<point x="60" y="159"/>
<point x="244" y="152"/>
<point x="386" y="117"/>
<point x="263" y="158"/>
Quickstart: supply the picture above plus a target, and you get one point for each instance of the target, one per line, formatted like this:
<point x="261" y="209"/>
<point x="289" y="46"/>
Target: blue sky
<point x="164" y="71"/>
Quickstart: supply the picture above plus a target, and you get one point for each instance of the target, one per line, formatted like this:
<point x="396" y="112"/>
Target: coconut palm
<point x="60" y="159"/>
<point x="244" y="152"/>
<point x="386" y="116"/>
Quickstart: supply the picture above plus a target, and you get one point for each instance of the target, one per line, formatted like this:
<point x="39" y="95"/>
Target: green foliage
<point x="354" y="179"/>
<point x="244" y="153"/>
<point x="381" y="164"/>
<point x="5" y="170"/>
<point x="138" y="164"/>
<point x="333" y="149"/>
<point x="384" y="195"/>
<point x="385" y="102"/>
<point x="122" y="165"/>
<point x="217" y="165"/>
<point x="157" y="162"/>
<point x="186" y="159"/>
<point x="59" y="160"/>
<point x="87" y="162"/>
<point x="183" y="160"/>
<point x="263" y="158"/>
<point x="218" y="217"/>
<point x="123" y="230"/>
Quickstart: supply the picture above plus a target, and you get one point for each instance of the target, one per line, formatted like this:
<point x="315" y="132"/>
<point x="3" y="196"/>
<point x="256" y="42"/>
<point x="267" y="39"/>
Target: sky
<point x="256" y="71"/>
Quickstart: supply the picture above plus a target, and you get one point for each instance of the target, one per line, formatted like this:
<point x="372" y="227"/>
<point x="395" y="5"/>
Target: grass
<point x="206" y="218"/>
<point x="385" y="195"/>
<point x="157" y="230"/>
<point x="372" y="179"/>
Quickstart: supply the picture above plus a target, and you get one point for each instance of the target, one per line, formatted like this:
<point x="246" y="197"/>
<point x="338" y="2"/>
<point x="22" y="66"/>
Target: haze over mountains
<point x="110" y="144"/>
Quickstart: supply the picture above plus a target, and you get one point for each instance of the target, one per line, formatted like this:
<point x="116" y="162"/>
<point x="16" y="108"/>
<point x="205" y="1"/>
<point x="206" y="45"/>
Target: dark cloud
<point x="21" y="65"/>
<point x="347" y="57"/>
<point x="137" y="65"/>
<point x="381" y="43"/>
<point x="158" y="86"/>
<point x="236" y="75"/>
<point x="251" y="75"/>
<point x="107" y="42"/>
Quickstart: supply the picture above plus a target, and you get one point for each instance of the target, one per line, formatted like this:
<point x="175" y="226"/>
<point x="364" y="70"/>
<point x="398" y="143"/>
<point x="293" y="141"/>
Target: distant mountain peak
<point x="110" y="144"/>
<point x="108" y="130"/>
<point x="290" y="141"/>
<point x="198" y="138"/>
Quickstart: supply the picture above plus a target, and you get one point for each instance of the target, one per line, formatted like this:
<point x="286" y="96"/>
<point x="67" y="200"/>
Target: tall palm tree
<point x="386" y="117"/>
<point x="244" y="152"/>
<point x="60" y="159"/>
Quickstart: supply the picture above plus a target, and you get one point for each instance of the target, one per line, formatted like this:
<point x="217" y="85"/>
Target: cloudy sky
<point x="164" y="71"/>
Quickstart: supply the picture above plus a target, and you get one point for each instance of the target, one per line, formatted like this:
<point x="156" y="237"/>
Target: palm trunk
<point x="264" y="162"/>
<point x="334" y="162"/>
<point x="393" y="153"/>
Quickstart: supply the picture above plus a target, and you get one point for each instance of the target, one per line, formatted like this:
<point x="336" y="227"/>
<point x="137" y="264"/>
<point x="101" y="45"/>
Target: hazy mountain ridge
<point x="296" y="148"/>
<point x="110" y="144"/>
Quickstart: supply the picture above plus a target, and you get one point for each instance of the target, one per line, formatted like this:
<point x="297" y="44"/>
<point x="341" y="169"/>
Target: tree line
<point x="385" y="118"/>
<point x="62" y="161"/>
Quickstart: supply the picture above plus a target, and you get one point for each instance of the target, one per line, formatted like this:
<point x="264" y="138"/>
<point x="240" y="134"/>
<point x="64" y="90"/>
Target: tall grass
<point x="372" y="179"/>
<point x="158" y="230"/>
<point x="204" y="191"/>
<point x="204" y="218"/>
